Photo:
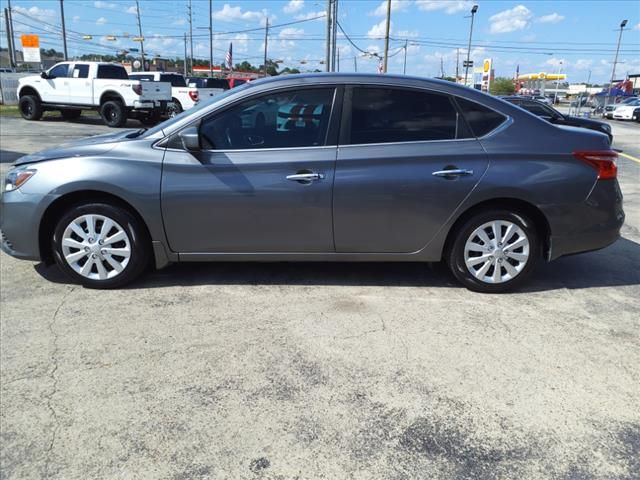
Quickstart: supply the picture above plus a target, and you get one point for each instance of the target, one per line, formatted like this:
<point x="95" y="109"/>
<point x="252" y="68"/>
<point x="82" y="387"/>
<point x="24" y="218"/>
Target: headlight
<point x="18" y="177"/>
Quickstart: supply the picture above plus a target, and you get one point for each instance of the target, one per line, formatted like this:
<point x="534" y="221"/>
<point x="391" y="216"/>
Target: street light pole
<point x="64" y="31"/>
<point x="474" y="9"/>
<point x="386" y="38"/>
<point x="615" y="61"/>
<point x="210" y="40"/>
<point x="404" y="66"/>
<point x="555" y="96"/>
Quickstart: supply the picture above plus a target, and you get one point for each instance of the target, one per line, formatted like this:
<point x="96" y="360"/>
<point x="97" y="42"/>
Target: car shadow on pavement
<point x="617" y="265"/>
<point x="87" y="120"/>
<point x="9" y="156"/>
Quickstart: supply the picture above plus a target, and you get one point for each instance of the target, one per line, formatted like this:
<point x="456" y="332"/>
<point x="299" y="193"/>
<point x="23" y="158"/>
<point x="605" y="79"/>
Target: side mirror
<point x="190" y="139"/>
<point x="44" y="75"/>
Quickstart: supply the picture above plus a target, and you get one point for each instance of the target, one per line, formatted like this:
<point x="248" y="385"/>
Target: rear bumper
<point x="592" y="225"/>
<point x="150" y="105"/>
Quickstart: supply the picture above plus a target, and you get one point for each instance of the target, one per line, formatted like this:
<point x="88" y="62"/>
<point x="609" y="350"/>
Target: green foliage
<point x="502" y="86"/>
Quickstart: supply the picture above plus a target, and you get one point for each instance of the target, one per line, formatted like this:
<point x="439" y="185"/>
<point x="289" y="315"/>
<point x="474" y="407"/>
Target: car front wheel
<point x="494" y="251"/>
<point x="100" y="245"/>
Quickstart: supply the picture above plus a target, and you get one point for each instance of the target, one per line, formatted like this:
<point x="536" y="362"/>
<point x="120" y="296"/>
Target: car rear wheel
<point x="113" y="113"/>
<point x="100" y="245"/>
<point x="494" y="251"/>
<point x="30" y="107"/>
<point x="173" y="108"/>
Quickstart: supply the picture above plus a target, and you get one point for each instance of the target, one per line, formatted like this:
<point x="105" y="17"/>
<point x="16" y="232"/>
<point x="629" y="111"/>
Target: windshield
<point x="198" y="106"/>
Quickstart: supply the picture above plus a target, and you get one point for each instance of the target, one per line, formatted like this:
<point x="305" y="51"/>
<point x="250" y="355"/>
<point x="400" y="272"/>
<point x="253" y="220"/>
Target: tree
<point x="502" y="86"/>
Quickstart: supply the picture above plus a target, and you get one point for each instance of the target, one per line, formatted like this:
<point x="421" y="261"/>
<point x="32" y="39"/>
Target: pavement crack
<point x="54" y="378"/>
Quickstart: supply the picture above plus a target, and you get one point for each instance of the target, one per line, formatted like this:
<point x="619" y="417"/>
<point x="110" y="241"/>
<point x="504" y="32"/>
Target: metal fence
<point x="9" y="87"/>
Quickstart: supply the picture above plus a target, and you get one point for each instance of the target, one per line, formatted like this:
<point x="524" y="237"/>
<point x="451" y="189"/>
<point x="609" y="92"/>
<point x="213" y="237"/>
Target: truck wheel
<point x="173" y="108"/>
<point x="113" y="113"/>
<point x="30" y="107"/>
<point x="71" y="113"/>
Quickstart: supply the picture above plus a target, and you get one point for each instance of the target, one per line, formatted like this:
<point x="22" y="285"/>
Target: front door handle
<point x="305" y="177"/>
<point x="454" y="172"/>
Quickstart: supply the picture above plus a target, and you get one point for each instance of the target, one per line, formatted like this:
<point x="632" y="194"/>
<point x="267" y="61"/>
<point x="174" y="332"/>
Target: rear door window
<point x="482" y="120"/>
<point x="389" y="115"/>
<point x="80" y="71"/>
<point x="112" y="72"/>
<point x="175" y="80"/>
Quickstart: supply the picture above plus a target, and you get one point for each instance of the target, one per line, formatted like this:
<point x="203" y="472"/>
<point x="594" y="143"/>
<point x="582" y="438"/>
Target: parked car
<point x="71" y="87"/>
<point x="626" y="111"/>
<point x="636" y="114"/>
<point x="389" y="168"/>
<point x="609" y="109"/>
<point x="183" y="97"/>
<point x="552" y="115"/>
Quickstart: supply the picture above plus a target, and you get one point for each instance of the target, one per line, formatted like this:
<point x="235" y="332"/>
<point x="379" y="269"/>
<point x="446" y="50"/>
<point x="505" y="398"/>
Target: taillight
<point x="137" y="88"/>
<point x="604" y="161"/>
<point x="194" y="95"/>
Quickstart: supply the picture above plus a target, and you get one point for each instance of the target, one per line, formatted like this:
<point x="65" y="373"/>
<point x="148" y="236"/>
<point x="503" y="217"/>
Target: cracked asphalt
<point x="312" y="371"/>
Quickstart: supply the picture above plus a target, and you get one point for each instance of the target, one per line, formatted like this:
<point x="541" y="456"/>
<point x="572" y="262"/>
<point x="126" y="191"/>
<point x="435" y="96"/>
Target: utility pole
<point x="404" y="66"/>
<point x="334" y="35"/>
<point x="338" y="54"/>
<point x="327" y="58"/>
<point x="190" y="39"/>
<point x="355" y="63"/>
<point x="555" y="96"/>
<point x="615" y="61"/>
<point x="474" y="9"/>
<point x="144" y="67"/>
<point x="210" y="39"/>
<point x="457" y="64"/>
<point x="12" y="41"/>
<point x="64" y="31"/>
<point x="12" y="61"/>
<point x="266" y="41"/>
<point x="386" y="38"/>
<point x="441" y="68"/>
<point x="185" y="54"/>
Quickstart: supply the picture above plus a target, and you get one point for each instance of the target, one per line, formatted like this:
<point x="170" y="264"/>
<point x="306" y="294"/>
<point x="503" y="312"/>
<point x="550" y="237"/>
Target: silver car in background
<point x="326" y="167"/>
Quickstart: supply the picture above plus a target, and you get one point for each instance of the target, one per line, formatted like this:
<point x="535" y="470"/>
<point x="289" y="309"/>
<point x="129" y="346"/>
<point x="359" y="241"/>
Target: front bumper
<point x="592" y="225"/>
<point x="20" y="216"/>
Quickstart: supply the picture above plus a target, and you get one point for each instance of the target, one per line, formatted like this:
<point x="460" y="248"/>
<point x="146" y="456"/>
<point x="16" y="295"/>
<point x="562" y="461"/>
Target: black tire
<point x="173" y="108"/>
<point x="138" y="244"/>
<point x="71" y="113"/>
<point x="113" y="113"/>
<point x="30" y="107"/>
<point x="455" y="254"/>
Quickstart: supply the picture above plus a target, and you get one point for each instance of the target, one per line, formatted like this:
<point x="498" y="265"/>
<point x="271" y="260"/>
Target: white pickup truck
<point x="183" y="96"/>
<point x="71" y="87"/>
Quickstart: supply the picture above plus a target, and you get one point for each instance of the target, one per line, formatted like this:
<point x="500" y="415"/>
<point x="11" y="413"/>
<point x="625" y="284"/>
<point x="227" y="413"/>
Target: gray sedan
<point x="327" y="167"/>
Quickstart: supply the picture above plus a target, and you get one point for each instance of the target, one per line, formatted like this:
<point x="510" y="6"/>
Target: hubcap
<point x="96" y="247"/>
<point x="496" y="252"/>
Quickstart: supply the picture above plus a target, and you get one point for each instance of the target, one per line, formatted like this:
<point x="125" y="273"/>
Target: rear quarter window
<point x="482" y="120"/>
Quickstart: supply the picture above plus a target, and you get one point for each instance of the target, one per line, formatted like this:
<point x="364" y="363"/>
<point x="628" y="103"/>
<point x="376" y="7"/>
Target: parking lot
<point x="307" y="371"/>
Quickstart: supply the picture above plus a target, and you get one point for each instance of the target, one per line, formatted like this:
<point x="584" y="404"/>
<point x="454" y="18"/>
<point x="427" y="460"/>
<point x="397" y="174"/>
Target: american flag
<point x="228" y="59"/>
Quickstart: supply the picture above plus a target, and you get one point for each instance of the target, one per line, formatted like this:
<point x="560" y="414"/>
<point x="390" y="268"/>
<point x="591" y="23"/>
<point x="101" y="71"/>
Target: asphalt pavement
<point x="322" y="371"/>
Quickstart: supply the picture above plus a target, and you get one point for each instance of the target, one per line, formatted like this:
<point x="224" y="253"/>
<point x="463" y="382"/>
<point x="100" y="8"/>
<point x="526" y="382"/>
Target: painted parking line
<point x="630" y="157"/>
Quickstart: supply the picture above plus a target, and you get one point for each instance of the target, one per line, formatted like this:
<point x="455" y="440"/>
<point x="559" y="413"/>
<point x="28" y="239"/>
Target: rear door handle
<point x="454" y="172"/>
<point x="305" y="177"/>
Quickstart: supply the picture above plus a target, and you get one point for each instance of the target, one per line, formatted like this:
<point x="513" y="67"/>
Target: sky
<point x="576" y="37"/>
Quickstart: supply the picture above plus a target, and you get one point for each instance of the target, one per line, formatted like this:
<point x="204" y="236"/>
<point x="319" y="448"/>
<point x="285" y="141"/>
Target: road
<point x="309" y="371"/>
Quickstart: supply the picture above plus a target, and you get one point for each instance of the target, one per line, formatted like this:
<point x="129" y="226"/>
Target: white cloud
<point x="449" y="6"/>
<point x="76" y="18"/>
<point x="379" y="29"/>
<point x="42" y="14"/>
<point x="310" y="15"/>
<point x="293" y="6"/>
<point x="396" y="6"/>
<point x="583" y="64"/>
<point x="512" y="20"/>
<point x="551" y="18"/>
<point x="637" y="27"/>
<point x="407" y="33"/>
<point x="556" y="62"/>
<point x="101" y="21"/>
<point x="101" y="4"/>
<point x="179" y="21"/>
<point x="231" y="14"/>
<point x="132" y="10"/>
<point x="290" y="32"/>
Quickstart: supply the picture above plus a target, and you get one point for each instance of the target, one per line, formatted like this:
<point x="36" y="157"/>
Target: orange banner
<point x="30" y="41"/>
